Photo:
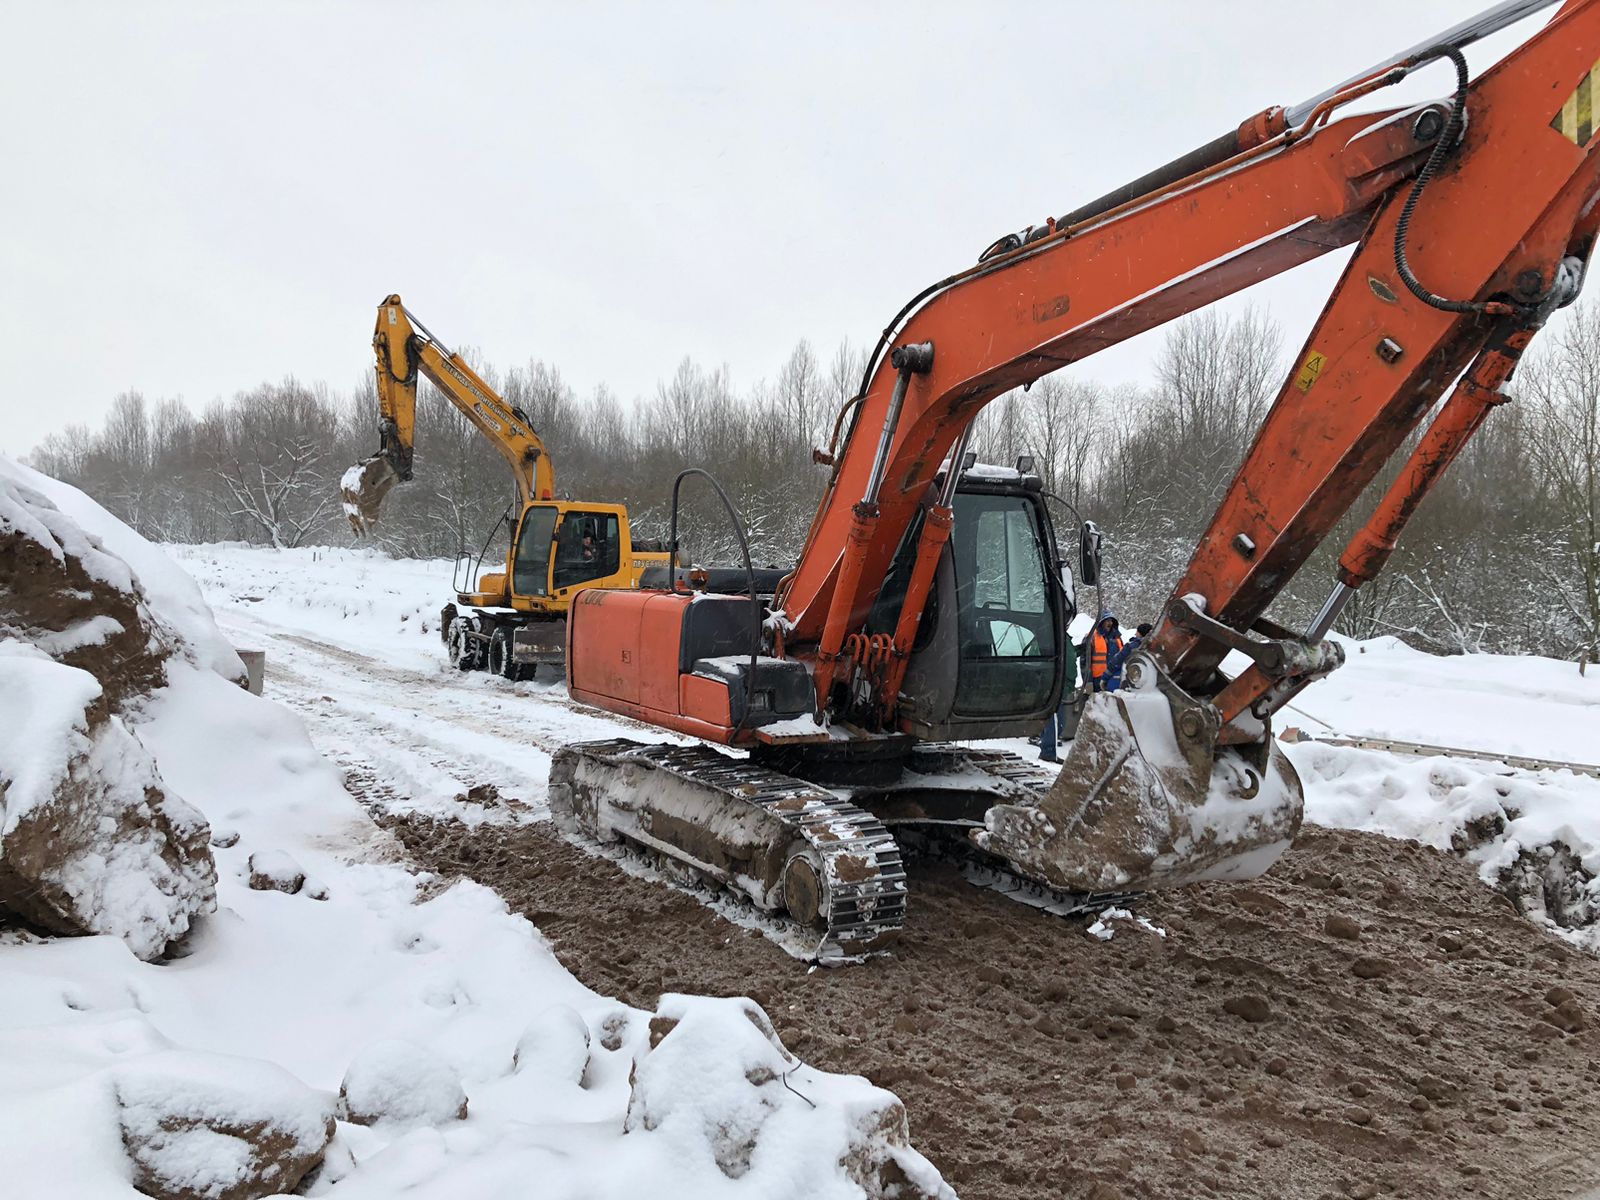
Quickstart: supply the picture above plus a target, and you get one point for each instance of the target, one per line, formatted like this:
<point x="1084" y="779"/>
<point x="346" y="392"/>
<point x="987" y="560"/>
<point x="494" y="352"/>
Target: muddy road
<point x="1369" y="1020"/>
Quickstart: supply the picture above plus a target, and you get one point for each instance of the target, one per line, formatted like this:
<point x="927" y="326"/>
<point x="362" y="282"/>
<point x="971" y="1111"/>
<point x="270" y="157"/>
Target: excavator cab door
<point x="990" y="654"/>
<point x="530" y="554"/>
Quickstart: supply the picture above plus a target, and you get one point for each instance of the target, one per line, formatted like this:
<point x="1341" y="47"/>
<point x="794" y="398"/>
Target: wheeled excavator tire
<point x="461" y="646"/>
<point x="787" y="847"/>
<point x="500" y="659"/>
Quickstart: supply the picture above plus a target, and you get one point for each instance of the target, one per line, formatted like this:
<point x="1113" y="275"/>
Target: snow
<point x="1537" y="707"/>
<point x="42" y="726"/>
<point x="402" y="1083"/>
<point x="314" y="991"/>
<point x="292" y="998"/>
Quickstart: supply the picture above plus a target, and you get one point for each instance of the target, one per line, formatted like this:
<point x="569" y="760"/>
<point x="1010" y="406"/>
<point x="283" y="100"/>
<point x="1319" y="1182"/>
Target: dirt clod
<point x="1254" y="1009"/>
<point x="1340" y="926"/>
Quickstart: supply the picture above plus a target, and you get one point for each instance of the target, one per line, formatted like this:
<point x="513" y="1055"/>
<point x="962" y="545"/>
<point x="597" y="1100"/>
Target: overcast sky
<point x="201" y="197"/>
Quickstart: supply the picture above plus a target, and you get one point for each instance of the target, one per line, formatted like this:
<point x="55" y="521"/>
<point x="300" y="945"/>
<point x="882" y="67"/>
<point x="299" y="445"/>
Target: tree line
<point x="1504" y="556"/>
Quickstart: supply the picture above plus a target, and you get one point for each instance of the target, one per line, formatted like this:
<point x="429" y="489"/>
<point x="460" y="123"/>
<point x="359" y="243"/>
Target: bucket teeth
<point x="1147" y="799"/>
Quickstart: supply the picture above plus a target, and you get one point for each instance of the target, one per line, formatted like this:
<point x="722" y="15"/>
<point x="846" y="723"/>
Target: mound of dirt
<point x="91" y="842"/>
<point x="62" y="592"/>
<point x="1368" y="1020"/>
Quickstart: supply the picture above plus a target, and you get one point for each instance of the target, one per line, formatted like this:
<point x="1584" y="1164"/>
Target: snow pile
<point x="91" y="839"/>
<point x="90" y="842"/>
<point x="717" y="1088"/>
<point x="1534" y="835"/>
<point x="78" y="581"/>
<point x="401" y="1082"/>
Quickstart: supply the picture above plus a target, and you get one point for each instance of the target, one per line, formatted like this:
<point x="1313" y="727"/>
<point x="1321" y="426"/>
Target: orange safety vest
<point x="1100" y="653"/>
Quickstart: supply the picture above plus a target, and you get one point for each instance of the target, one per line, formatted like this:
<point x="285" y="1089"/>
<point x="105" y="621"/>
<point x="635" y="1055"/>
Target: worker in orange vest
<point x="1100" y="656"/>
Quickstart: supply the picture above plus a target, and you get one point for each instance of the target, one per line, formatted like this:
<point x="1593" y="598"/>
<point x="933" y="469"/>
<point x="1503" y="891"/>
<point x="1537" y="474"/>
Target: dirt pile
<point x="63" y="593"/>
<point x="90" y="840"/>
<point x="1368" y="1020"/>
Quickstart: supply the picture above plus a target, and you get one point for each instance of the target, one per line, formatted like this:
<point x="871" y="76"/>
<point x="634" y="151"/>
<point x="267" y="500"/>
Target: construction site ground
<point x="1367" y="1020"/>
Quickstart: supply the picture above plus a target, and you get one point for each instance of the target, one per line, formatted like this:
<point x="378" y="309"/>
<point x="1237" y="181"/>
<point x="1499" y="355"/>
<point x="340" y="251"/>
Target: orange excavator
<point x="926" y="606"/>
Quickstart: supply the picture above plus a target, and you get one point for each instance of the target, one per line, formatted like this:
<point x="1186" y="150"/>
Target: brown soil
<point x="41" y="595"/>
<point x="1255" y="1051"/>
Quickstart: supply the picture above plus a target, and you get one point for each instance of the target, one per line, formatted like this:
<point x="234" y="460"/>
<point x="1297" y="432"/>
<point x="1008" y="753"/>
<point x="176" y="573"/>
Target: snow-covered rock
<point x="62" y="592"/>
<point x="216" y="1127"/>
<point x="403" y="1084"/>
<point x="90" y="839"/>
<point x="715" y="1082"/>
<point x="275" y="871"/>
<point x="554" y="1046"/>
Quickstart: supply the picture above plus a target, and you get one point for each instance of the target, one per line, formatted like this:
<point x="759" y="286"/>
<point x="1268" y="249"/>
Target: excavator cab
<point x="562" y="546"/>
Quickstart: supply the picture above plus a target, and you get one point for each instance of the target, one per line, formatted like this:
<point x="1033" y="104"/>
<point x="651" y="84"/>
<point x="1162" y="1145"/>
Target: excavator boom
<point x="405" y="349"/>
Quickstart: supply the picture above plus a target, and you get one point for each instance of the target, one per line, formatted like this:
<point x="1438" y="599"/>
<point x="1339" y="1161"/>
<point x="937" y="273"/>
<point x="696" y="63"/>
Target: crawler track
<point x="780" y="842"/>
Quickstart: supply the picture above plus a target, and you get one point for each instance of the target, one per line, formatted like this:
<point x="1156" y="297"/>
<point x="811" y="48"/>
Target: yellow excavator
<point x="511" y="618"/>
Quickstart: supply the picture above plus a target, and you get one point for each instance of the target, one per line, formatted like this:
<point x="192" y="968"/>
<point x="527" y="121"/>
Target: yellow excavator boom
<point x="405" y="348"/>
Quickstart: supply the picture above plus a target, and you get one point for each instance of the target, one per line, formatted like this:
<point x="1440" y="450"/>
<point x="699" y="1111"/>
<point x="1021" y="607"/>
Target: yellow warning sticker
<point x="1575" y="120"/>
<point x="1309" y="370"/>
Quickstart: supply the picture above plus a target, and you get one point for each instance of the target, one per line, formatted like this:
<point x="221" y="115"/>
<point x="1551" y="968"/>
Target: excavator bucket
<point x="363" y="488"/>
<point x="1147" y="798"/>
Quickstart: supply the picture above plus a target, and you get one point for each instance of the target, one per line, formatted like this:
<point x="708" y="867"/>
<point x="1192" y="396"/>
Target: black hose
<point x="1446" y="142"/>
<point x="749" y="570"/>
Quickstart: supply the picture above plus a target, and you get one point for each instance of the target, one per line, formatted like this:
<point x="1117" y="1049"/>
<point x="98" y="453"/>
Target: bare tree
<point x="1562" y="393"/>
<point x="274" y="468"/>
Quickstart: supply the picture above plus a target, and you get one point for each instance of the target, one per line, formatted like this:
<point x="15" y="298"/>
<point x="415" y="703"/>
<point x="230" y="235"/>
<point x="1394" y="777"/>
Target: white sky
<point x="200" y="197"/>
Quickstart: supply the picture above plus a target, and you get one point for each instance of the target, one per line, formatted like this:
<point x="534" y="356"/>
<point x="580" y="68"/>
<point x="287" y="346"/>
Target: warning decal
<point x="1309" y="370"/>
<point x="1575" y="121"/>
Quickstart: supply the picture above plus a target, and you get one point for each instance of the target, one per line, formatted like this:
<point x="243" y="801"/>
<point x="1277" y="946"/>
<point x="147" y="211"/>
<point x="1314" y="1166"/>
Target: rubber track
<point x="863" y="914"/>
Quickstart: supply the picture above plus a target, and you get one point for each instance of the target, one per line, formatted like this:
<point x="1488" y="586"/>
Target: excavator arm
<point x="1496" y="188"/>
<point x="405" y="348"/>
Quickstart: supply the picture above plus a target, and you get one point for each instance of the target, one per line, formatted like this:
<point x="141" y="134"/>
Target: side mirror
<point x="1089" y="540"/>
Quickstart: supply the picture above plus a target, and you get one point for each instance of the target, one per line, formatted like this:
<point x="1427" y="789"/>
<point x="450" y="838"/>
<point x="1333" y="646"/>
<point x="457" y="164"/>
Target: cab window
<point x="1007" y="615"/>
<point x="587" y="548"/>
<point x="530" y="569"/>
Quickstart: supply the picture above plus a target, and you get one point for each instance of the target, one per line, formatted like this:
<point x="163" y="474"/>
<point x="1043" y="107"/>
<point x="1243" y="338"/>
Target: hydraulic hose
<point x="1453" y="127"/>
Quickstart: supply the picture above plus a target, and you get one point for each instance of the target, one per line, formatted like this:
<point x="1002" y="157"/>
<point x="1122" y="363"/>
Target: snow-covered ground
<point x="352" y="640"/>
<point x="414" y="996"/>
